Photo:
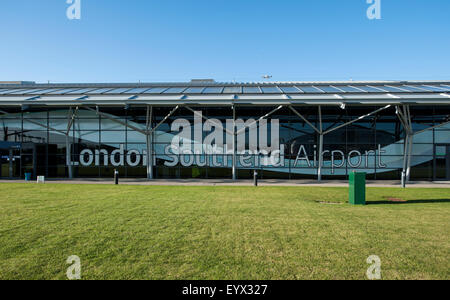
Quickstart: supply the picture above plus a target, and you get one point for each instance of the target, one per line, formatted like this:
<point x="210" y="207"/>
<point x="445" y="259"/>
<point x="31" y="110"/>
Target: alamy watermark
<point x="73" y="12"/>
<point x="74" y="271"/>
<point x="374" y="271"/>
<point x="374" y="10"/>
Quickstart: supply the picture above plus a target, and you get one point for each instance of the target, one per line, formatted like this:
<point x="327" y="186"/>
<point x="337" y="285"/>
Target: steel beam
<point x="304" y="119"/>
<point x="164" y="120"/>
<point x="218" y="125"/>
<point x="106" y="116"/>
<point x="356" y="120"/>
<point x="404" y="115"/>
<point x="260" y="119"/>
<point x="71" y="119"/>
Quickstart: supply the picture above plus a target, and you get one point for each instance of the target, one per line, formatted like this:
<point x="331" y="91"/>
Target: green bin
<point x="357" y="189"/>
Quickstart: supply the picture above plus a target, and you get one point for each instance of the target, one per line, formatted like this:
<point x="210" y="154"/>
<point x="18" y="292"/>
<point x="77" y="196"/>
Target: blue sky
<point x="241" y="40"/>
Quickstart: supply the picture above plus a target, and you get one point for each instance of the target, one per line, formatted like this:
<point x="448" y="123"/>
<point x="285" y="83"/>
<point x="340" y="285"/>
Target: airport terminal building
<point x="207" y="129"/>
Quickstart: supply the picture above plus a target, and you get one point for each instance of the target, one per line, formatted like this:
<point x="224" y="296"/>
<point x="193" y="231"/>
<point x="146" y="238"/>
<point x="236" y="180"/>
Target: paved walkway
<point x="229" y="182"/>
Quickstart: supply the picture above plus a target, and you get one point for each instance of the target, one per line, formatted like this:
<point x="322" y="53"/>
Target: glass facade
<point x="188" y="145"/>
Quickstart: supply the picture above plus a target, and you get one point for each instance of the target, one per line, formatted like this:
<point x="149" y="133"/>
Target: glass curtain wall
<point x="186" y="145"/>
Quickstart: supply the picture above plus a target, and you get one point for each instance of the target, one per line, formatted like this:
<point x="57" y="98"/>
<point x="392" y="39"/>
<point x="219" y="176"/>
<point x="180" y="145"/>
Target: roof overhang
<point x="262" y="100"/>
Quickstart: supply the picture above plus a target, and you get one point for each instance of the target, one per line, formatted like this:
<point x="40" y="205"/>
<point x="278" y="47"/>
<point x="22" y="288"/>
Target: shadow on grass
<point x="409" y="202"/>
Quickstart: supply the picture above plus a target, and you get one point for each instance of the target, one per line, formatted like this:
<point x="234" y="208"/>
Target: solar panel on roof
<point x="290" y="89"/>
<point x="251" y="90"/>
<point x="213" y="90"/>
<point x="412" y="88"/>
<point x="155" y="90"/>
<point x="371" y="89"/>
<point x="309" y="89"/>
<point x="194" y="90"/>
<point x="270" y="90"/>
<point x="232" y="90"/>
<point x="5" y="91"/>
<point x="117" y="91"/>
<point x="136" y="91"/>
<point x="36" y="91"/>
<point x="433" y="88"/>
<point x="63" y="91"/>
<point x="175" y="90"/>
<point x="82" y="91"/>
<point x="99" y="91"/>
<point x="17" y="91"/>
<point x="348" y="89"/>
<point x="393" y="89"/>
<point x="329" y="89"/>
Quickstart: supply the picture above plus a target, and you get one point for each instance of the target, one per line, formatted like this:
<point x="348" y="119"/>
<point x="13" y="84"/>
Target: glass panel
<point x="213" y="90"/>
<point x="36" y="91"/>
<point x="434" y="88"/>
<point x="371" y="89"/>
<point x="445" y="86"/>
<point x="82" y="91"/>
<point x="393" y="89"/>
<point x="270" y="90"/>
<point x="194" y="90"/>
<point x="290" y="89"/>
<point x="118" y="91"/>
<point x="175" y="90"/>
<point x="412" y="88"/>
<point x="232" y="90"/>
<point x="16" y="91"/>
<point x="99" y="91"/>
<point x="329" y="89"/>
<point x="156" y="90"/>
<point x="348" y="89"/>
<point x="309" y="89"/>
<point x="136" y="90"/>
<point x="63" y="91"/>
<point x="251" y="90"/>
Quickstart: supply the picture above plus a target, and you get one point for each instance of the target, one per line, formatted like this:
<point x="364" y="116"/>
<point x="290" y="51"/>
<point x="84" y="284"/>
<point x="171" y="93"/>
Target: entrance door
<point x="10" y="162"/>
<point x="442" y="162"/>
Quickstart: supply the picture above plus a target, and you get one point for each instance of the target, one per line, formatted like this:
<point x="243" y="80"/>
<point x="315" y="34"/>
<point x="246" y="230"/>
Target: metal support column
<point x="69" y="163"/>
<point x="408" y="164"/>
<point x="410" y="144"/>
<point x="319" y="171"/>
<point x="404" y="116"/>
<point x="149" y="139"/>
<point x="234" y="144"/>
<point x="68" y="157"/>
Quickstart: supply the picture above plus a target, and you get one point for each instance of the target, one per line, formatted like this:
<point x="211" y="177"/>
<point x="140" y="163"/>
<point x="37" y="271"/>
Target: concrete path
<point x="229" y="182"/>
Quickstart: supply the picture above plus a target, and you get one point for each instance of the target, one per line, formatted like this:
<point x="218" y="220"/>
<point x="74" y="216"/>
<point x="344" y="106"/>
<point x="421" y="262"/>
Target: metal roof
<point x="209" y="92"/>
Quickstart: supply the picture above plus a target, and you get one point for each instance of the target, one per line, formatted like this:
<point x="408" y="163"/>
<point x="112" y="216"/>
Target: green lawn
<point x="144" y="232"/>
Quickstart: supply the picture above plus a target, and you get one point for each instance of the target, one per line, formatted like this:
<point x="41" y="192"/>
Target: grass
<point x="143" y="232"/>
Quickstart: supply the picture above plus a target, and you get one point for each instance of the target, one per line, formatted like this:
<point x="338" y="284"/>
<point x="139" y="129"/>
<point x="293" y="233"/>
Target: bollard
<point x="403" y="179"/>
<point x="116" y="177"/>
<point x="357" y="188"/>
<point x="255" y="178"/>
